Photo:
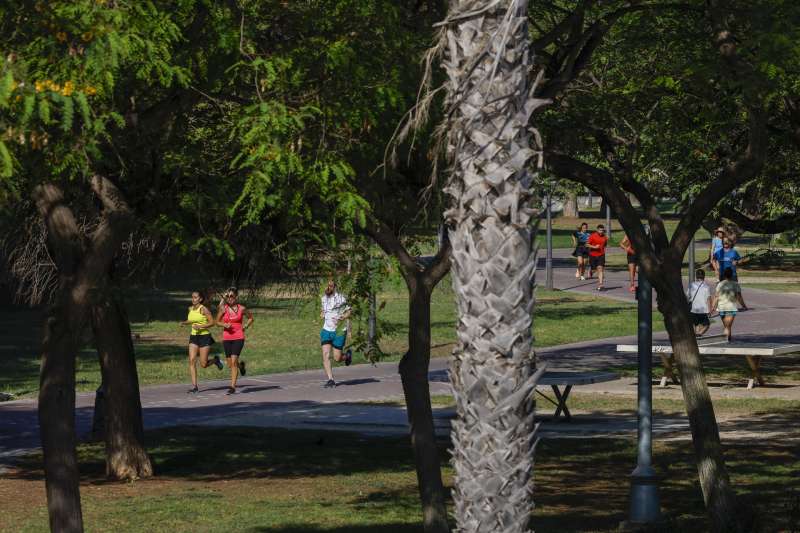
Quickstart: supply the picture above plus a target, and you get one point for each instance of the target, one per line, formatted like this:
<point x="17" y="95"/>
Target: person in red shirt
<point x="597" y="253"/>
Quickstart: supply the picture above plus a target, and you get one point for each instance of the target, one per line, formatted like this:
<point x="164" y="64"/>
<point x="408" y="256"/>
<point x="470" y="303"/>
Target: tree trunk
<point x="571" y="205"/>
<point x="493" y="260"/>
<point x="126" y="457"/>
<point x="57" y="419"/>
<point x="414" y="374"/>
<point x="724" y="513"/>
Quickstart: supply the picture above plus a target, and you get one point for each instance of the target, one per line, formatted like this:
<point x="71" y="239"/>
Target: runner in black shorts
<point x="200" y="339"/>
<point x="581" y="252"/>
<point x="597" y="253"/>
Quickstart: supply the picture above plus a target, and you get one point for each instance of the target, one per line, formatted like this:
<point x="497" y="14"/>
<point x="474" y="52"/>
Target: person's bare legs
<point x="727" y="322"/>
<point x="601" y="276"/>
<point x="581" y="266"/>
<point x="337" y="354"/>
<point x="204" y="362"/>
<point x="233" y="364"/>
<point x="632" y="274"/>
<point x="193" y="363"/>
<point x="326" y="360"/>
<point x="701" y="329"/>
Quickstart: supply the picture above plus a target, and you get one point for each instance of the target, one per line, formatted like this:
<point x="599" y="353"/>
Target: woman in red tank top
<point x="231" y="317"/>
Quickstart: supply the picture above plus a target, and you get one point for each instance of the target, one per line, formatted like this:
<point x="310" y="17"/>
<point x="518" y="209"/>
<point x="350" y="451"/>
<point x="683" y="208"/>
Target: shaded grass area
<point x="254" y="480"/>
<point x="285" y="335"/>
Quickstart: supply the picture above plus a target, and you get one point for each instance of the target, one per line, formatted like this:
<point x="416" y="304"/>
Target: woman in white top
<point x="699" y="295"/>
<point x="728" y="295"/>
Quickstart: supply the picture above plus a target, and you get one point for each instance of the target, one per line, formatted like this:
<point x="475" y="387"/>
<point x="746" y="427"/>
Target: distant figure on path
<point x="334" y="313"/>
<point x="200" y="339"/>
<point x="716" y="246"/>
<point x="727" y="257"/>
<point x="699" y="296"/>
<point x="597" y="253"/>
<point x="633" y="259"/>
<point x="581" y="252"/>
<point x="230" y="316"/>
<point x="728" y="295"/>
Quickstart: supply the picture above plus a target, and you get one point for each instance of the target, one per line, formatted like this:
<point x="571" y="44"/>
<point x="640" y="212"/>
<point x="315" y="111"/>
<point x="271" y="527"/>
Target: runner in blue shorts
<point x="333" y="335"/>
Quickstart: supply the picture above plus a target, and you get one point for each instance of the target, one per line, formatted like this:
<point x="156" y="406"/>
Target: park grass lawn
<point x="285" y="335"/>
<point x="778" y="287"/>
<point x="258" y="480"/>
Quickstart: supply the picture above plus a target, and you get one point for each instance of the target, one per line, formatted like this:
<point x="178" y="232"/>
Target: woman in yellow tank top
<point x="200" y="340"/>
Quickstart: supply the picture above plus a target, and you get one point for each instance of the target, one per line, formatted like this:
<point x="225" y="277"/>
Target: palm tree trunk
<point x="491" y="230"/>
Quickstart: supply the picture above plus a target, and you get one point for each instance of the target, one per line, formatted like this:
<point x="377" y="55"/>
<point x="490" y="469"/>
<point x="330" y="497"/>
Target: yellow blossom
<point x="68" y="88"/>
<point x="87" y="36"/>
<point x="90" y="90"/>
<point x="61" y="36"/>
<point x="39" y="86"/>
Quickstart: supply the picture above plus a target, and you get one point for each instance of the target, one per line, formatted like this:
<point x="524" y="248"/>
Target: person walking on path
<point x="581" y="252"/>
<point x="200" y="339"/>
<point x="716" y="246"/>
<point x="597" y="243"/>
<point x="699" y="295"/>
<point x="727" y="257"/>
<point x="333" y="335"/>
<point x="633" y="259"/>
<point x="230" y="316"/>
<point x="728" y="295"/>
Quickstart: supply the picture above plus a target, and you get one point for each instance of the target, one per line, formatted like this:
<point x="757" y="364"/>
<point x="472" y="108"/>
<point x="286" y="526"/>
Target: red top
<point x="234" y="331"/>
<point x="597" y="240"/>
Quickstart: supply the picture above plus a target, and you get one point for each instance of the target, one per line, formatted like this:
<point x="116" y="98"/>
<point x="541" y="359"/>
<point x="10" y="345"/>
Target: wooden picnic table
<point x="567" y="379"/>
<point x="753" y="353"/>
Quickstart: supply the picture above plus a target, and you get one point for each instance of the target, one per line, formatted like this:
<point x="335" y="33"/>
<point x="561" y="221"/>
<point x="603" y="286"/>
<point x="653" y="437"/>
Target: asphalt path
<point x="297" y="399"/>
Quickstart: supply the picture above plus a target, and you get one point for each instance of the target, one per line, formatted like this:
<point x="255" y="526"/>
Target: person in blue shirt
<point x="726" y="257"/>
<point x="716" y="246"/>
<point x="581" y="252"/>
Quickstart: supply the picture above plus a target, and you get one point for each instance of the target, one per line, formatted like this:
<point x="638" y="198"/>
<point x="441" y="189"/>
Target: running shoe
<point x="230" y="391"/>
<point x="242" y="368"/>
<point x="348" y="357"/>
<point x="217" y="362"/>
<point x="193" y="390"/>
<point x="330" y="384"/>
<point x="583" y="278"/>
<point x="599" y="287"/>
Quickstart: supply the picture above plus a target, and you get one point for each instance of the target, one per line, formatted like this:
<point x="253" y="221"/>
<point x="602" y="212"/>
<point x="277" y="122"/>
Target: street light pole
<point x="645" y="506"/>
<point x="691" y="262"/>
<point x="549" y="259"/>
<point x="608" y="220"/>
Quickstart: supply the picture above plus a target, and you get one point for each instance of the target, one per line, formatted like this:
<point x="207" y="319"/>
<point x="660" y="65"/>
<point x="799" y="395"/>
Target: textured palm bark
<point x="126" y="457"/>
<point x="493" y="370"/>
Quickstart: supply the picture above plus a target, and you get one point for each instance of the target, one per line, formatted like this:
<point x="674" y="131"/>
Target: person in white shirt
<point x="699" y="296"/>
<point x="334" y="314"/>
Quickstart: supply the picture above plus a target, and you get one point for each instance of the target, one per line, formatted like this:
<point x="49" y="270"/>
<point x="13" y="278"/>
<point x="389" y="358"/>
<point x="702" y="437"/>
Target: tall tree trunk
<point x="491" y="221"/>
<point x="571" y="205"/>
<point x="414" y="374"/>
<point x="57" y="419"/>
<point x="724" y="513"/>
<point x="126" y="457"/>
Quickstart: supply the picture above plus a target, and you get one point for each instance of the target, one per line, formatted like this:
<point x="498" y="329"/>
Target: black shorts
<point x="581" y="251"/>
<point x="597" y="261"/>
<point x="633" y="259"/>
<point x="233" y="348"/>
<point x="201" y="340"/>
<point x="700" y="319"/>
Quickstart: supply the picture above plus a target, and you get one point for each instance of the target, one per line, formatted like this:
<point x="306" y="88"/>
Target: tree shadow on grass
<point x="383" y="528"/>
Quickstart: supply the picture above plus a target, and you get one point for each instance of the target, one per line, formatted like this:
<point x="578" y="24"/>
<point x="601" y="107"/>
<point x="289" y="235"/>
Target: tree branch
<point x="63" y="236"/>
<point x="115" y="223"/>
<point x="769" y="227"/>
<point x="391" y="245"/>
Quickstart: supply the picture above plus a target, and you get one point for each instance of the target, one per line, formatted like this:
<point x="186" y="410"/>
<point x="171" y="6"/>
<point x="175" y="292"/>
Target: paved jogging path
<point x="297" y="399"/>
